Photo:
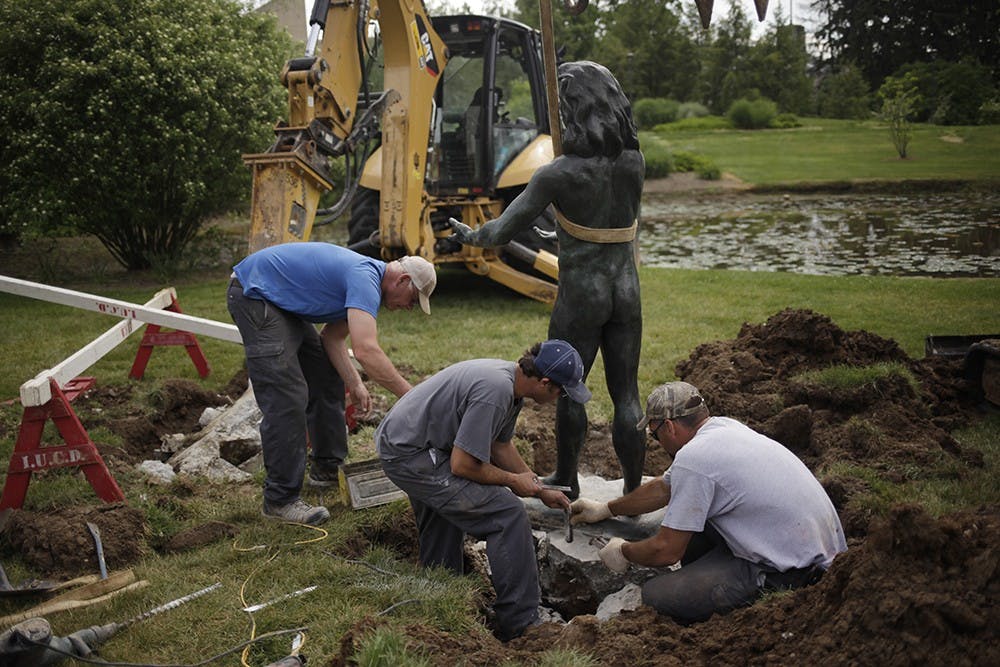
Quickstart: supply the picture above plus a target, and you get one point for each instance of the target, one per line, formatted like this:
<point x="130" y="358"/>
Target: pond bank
<point x="685" y="183"/>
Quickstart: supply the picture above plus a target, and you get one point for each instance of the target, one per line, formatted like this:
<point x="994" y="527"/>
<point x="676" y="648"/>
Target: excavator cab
<point x="490" y="103"/>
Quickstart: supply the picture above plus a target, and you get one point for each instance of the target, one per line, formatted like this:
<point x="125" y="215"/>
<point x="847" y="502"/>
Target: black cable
<point x="238" y="647"/>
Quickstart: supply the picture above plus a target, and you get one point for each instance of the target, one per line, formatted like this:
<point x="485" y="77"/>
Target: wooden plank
<point x="118" y="308"/>
<point x="37" y="391"/>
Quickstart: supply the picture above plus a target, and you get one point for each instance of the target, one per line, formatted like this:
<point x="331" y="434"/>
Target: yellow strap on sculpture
<point x="614" y="235"/>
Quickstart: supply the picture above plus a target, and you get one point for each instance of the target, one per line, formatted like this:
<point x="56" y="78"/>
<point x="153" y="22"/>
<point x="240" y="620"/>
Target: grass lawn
<point x="825" y="149"/>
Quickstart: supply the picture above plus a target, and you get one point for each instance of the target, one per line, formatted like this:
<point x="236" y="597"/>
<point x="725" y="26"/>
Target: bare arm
<point x="364" y="341"/>
<point x="539" y="193"/>
<point x="523" y="482"/>
<point x="334" y="337"/>
<point x="665" y="548"/>
<point x="652" y="495"/>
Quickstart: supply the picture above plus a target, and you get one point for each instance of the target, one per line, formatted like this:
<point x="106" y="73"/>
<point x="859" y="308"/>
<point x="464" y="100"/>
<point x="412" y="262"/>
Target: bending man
<point x="298" y="375"/>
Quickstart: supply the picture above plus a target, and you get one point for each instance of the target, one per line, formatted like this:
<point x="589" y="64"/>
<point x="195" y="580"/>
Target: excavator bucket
<point x="761" y="9"/>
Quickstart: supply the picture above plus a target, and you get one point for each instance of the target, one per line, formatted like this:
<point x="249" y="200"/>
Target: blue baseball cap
<point x="560" y="362"/>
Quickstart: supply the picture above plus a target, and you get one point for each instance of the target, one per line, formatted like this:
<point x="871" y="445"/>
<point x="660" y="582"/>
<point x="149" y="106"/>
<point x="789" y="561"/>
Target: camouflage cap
<point x="670" y="401"/>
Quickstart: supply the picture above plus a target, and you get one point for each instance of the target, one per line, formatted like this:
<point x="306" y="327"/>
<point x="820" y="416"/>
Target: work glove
<point x="612" y="556"/>
<point x="589" y="511"/>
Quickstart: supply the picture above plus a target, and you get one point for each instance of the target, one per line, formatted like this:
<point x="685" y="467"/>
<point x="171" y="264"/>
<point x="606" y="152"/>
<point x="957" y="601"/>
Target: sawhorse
<point x="31" y="455"/>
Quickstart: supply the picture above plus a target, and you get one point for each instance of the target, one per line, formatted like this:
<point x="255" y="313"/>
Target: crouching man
<point x="447" y="444"/>
<point x="744" y="514"/>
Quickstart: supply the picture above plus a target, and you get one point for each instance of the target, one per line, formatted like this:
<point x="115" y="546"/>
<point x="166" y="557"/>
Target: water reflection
<point x="903" y="235"/>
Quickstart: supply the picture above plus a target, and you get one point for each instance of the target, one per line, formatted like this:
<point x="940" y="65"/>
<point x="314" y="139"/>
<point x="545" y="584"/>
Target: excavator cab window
<point x="488" y="101"/>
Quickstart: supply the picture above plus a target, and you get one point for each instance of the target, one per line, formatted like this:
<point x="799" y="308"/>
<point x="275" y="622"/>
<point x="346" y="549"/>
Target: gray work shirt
<point x="762" y="499"/>
<point x="469" y="404"/>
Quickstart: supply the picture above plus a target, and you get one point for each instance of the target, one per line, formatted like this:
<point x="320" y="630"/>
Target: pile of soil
<point x="910" y="589"/>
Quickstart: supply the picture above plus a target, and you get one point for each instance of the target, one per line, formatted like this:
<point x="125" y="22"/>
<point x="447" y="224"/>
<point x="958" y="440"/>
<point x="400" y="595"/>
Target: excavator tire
<point x="363" y="222"/>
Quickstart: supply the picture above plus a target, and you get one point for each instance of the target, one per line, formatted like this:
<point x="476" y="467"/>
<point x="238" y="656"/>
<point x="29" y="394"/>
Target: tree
<point x="127" y="119"/>
<point x="777" y="64"/>
<point x="879" y="36"/>
<point x="900" y="97"/>
<point x="726" y="73"/>
<point x="843" y="93"/>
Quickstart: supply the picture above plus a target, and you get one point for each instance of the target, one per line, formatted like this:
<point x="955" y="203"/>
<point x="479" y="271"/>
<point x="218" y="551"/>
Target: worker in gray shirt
<point x="448" y="444"/>
<point x="744" y="514"/>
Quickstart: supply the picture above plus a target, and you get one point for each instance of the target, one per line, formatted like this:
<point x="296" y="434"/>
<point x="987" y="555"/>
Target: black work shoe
<point x="297" y="511"/>
<point x="323" y="478"/>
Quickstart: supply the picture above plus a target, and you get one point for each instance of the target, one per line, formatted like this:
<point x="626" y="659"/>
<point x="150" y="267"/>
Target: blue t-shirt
<point x="316" y="281"/>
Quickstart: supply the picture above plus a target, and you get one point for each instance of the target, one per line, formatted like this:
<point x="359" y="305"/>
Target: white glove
<point x="612" y="556"/>
<point x="588" y="511"/>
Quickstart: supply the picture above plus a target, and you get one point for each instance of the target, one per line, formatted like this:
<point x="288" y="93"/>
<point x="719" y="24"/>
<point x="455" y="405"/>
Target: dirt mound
<point x="918" y="591"/>
<point x="174" y="407"/>
<point x="58" y="543"/>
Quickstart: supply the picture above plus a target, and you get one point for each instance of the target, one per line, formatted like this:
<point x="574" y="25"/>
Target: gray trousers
<point x="299" y="392"/>
<point x="714" y="581"/>
<point x="447" y="508"/>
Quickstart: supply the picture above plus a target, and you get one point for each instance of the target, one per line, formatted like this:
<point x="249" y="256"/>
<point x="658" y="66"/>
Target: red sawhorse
<point x="153" y="337"/>
<point x="30" y="455"/>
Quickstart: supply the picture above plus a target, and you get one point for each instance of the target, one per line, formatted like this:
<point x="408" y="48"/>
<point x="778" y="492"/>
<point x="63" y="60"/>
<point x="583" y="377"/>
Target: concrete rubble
<point x="234" y="430"/>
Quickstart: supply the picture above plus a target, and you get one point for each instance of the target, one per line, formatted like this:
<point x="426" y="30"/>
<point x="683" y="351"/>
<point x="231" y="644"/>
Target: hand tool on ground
<point x="96" y="533"/>
<point x="569" y="525"/>
<point x="31" y="643"/>
<point x="30" y="587"/>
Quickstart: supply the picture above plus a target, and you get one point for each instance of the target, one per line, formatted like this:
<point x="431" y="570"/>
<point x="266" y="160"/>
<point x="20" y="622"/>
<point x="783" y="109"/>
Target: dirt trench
<point x="910" y="589"/>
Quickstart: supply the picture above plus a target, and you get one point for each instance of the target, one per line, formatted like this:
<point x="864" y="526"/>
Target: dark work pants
<point x="712" y="580"/>
<point x="300" y="394"/>
<point x="447" y="508"/>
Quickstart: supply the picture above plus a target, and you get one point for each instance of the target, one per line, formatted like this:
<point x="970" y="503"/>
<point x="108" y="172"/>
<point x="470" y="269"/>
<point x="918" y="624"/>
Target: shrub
<point x="844" y="94"/>
<point x="126" y="120"/>
<point x="692" y="110"/>
<point x="659" y="161"/>
<point x="651" y="111"/>
<point x="950" y="93"/>
<point x="752" y="114"/>
<point x="989" y="112"/>
<point x="702" y="124"/>
<point x="685" y="162"/>
<point x="783" y="121"/>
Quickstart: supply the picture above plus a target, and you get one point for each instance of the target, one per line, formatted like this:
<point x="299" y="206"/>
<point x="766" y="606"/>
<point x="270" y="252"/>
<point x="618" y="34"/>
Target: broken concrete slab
<point x="157" y="472"/>
<point x="574" y="581"/>
<point x="237" y="426"/>
<point x="629" y="598"/>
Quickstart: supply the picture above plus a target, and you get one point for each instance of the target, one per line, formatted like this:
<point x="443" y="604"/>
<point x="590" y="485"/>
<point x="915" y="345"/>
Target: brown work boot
<point x="297" y="511"/>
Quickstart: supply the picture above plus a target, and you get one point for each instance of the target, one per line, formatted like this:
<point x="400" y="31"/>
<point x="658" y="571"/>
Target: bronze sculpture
<point x="595" y="187"/>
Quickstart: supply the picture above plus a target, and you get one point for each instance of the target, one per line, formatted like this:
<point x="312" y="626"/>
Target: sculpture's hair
<point x="596" y="114"/>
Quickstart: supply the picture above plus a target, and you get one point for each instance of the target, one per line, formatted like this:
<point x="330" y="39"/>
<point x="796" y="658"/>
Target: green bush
<point x="659" y="161"/>
<point x="989" y="112"/>
<point x="704" y="167"/>
<point x="755" y="114"/>
<point x="844" y="94"/>
<point x="126" y="120"/>
<point x="701" y="124"/>
<point x="692" y="110"/>
<point x="783" y="121"/>
<point x="950" y="93"/>
<point x="652" y="111"/>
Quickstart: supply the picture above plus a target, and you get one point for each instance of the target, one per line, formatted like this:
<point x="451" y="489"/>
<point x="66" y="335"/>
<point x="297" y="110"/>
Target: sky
<point x="798" y="9"/>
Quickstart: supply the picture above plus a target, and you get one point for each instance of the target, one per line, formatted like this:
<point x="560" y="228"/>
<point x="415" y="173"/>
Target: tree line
<point x="948" y="50"/>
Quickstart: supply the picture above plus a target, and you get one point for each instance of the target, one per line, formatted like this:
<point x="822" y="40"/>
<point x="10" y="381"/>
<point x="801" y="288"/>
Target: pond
<point x="939" y="234"/>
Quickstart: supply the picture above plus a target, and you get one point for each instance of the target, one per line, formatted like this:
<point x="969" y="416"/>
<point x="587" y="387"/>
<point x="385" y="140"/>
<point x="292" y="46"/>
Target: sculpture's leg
<point x="621" y="369"/>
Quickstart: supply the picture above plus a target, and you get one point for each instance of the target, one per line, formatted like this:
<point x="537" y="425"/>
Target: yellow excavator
<point x="462" y="121"/>
<point x="458" y="129"/>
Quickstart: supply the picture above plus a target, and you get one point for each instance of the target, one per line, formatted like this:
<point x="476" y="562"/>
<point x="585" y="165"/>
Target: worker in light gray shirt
<point x="744" y="514"/>
<point x="448" y="444"/>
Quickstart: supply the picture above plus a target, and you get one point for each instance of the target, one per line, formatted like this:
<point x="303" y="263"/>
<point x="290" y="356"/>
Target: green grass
<point x="824" y="150"/>
<point x="850" y="377"/>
